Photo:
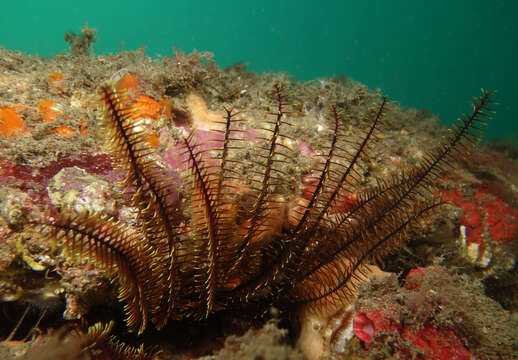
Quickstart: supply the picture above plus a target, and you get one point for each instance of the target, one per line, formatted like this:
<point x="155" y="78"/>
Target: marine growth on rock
<point x="255" y="201"/>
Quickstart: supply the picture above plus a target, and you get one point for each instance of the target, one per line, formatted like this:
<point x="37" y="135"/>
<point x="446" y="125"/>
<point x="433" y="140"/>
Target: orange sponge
<point x="11" y="124"/>
<point x="48" y="109"/>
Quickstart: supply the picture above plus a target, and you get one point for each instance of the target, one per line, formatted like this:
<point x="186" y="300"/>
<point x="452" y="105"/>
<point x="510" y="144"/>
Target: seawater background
<point x="425" y="54"/>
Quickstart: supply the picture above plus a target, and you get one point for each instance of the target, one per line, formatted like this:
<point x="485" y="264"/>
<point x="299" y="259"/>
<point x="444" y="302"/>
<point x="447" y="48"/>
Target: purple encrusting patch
<point x="35" y="180"/>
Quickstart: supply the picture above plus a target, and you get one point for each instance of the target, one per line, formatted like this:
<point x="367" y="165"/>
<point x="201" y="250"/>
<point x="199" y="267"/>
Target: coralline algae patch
<point x="34" y="181"/>
<point x="488" y="226"/>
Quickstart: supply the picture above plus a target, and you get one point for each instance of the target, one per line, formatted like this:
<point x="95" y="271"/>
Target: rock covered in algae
<point x="434" y="314"/>
<point x="73" y="188"/>
<point x="63" y="163"/>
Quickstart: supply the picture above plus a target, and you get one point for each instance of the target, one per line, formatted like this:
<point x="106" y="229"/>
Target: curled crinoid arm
<point x="379" y="222"/>
<point x="100" y="345"/>
<point x="155" y="194"/>
<point x="114" y="248"/>
<point x="96" y="335"/>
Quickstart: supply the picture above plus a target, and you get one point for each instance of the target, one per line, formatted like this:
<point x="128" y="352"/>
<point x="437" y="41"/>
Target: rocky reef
<point x="449" y="291"/>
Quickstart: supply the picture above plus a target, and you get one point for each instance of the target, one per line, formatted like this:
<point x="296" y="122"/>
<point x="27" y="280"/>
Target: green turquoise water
<point x="426" y="54"/>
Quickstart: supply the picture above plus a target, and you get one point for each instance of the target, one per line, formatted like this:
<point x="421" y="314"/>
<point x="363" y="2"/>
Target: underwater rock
<point x="488" y="229"/>
<point x="267" y="343"/>
<point x="84" y="287"/>
<point x="435" y="314"/>
<point x="328" y="331"/>
<point x="75" y="189"/>
<point x="64" y="164"/>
